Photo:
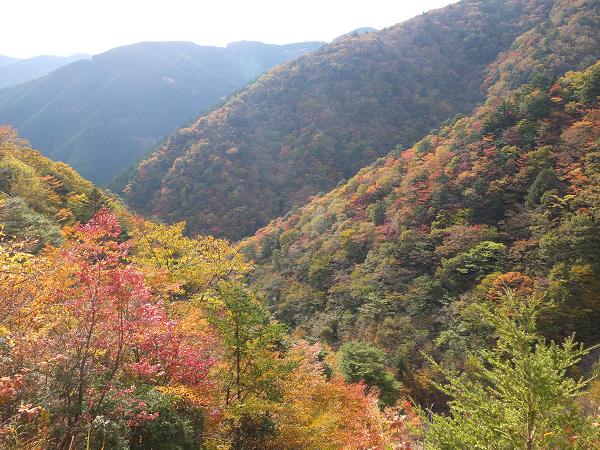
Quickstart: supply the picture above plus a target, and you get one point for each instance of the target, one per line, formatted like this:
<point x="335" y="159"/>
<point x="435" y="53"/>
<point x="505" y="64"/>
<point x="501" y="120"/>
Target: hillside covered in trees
<point x="102" y="114"/>
<point x="120" y="333"/>
<point x="404" y="254"/>
<point x="39" y="196"/>
<point x="444" y="296"/>
<point x="307" y="125"/>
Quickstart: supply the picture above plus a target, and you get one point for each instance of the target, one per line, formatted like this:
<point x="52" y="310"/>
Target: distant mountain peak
<point x="23" y="70"/>
<point x="102" y="114"/>
<point x="357" y="32"/>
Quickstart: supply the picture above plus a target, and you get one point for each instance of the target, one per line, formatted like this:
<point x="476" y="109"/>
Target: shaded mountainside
<point x="103" y="114"/>
<point x="307" y="125"/>
<point x="400" y="254"/>
<point x="22" y="71"/>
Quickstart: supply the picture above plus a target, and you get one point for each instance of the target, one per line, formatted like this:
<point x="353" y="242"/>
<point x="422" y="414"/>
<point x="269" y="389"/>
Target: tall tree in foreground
<point x="518" y="395"/>
<point x="252" y="368"/>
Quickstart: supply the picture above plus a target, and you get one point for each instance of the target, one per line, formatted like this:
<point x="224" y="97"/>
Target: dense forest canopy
<point x="401" y="253"/>
<point x="307" y="125"/>
<point x="120" y="333"/>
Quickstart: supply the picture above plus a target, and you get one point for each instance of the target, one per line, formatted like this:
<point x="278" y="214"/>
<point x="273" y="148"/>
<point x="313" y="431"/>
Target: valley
<point x="389" y="240"/>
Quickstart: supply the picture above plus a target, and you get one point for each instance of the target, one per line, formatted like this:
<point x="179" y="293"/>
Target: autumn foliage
<point x="400" y="254"/>
<point x="307" y="125"/>
<point x="110" y="342"/>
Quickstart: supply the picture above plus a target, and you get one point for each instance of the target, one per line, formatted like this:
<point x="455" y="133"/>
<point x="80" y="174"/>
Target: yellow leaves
<point x="64" y="216"/>
<point x="347" y="234"/>
<point x="17" y="274"/>
<point x="193" y="266"/>
<point x="192" y="320"/>
<point x="184" y="393"/>
<point x="465" y="176"/>
<point x="321" y="413"/>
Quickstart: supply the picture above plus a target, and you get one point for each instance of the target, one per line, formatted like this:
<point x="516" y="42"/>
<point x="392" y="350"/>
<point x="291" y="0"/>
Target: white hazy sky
<point x="63" y="27"/>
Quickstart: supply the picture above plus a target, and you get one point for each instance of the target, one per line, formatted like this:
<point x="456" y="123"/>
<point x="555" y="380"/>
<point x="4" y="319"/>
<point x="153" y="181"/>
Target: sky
<point x="64" y="27"/>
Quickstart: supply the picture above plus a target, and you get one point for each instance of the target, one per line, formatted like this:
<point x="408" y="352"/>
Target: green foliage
<point x="249" y="336"/>
<point x="586" y="84"/>
<point x="173" y="429"/>
<point x="309" y="124"/>
<point x="377" y="213"/>
<point x="474" y="215"/>
<point x="503" y="116"/>
<point x="319" y="271"/>
<point x="517" y="395"/>
<point x="423" y="296"/>
<point x="361" y="362"/>
<point x="575" y="239"/>
<point x="590" y="88"/>
<point x="535" y="105"/>
<point x="252" y="371"/>
<point x="287" y="238"/>
<point x="39" y="196"/>
<point x="545" y="181"/>
<point x="355" y="244"/>
<point x="24" y="224"/>
<point x="106" y="433"/>
<point x="472" y="265"/>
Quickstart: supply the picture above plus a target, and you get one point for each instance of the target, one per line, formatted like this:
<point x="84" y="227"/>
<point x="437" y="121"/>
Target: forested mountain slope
<point x="39" y="196"/>
<point x="103" y="114"/>
<point x="307" y="125"/>
<point x="117" y="332"/>
<point x="120" y="333"/>
<point x="401" y="254"/>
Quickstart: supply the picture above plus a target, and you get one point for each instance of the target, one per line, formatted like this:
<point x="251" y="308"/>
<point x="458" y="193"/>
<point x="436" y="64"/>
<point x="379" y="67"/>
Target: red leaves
<point x="166" y="354"/>
<point x="112" y="325"/>
<point x="10" y="388"/>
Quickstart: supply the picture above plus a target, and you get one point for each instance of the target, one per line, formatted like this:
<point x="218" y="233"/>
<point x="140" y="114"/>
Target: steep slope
<point x="102" y="114"/>
<point x="398" y="255"/>
<point x="39" y="196"/>
<point x="25" y="70"/>
<point x="111" y="295"/>
<point x="307" y="125"/>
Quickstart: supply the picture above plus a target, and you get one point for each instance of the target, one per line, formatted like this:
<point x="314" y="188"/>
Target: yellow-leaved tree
<point x="189" y="266"/>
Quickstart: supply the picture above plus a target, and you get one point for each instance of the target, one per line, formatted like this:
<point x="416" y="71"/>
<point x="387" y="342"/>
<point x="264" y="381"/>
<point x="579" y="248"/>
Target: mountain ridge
<point x="102" y="114"/>
<point x="24" y="70"/>
<point x="305" y="126"/>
